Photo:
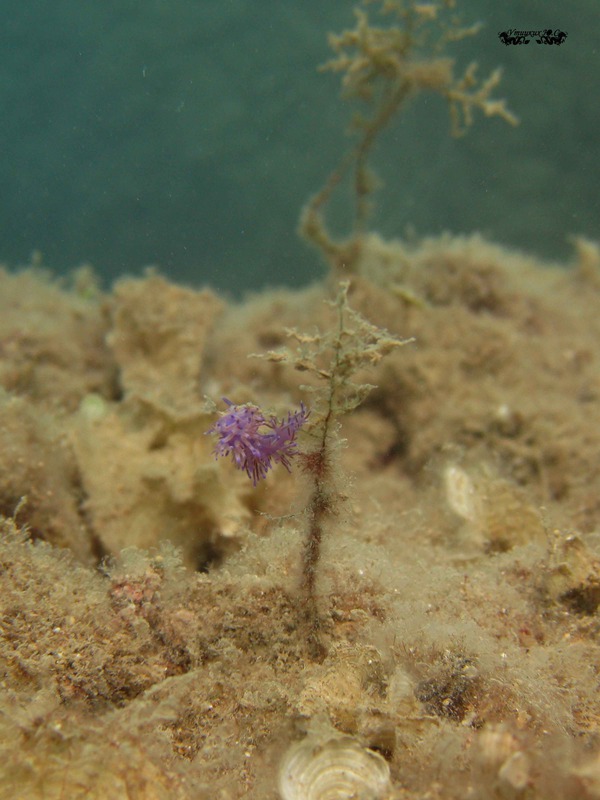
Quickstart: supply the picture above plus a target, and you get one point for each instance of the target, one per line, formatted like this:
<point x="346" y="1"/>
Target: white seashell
<point x="495" y="745"/>
<point x="334" y="769"/>
<point x="460" y="493"/>
<point x="515" y="771"/>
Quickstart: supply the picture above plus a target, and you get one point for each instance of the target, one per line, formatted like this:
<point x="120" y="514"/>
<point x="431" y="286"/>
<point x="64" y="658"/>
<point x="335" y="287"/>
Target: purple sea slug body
<point x="254" y="441"/>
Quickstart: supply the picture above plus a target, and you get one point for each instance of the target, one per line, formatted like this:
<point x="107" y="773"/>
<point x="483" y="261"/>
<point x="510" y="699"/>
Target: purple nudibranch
<point x="255" y="441"/>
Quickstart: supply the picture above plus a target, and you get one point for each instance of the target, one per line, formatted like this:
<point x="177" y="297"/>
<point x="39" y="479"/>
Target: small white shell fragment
<point x="334" y="769"/>
<point x="460" y="493"/>
<point x="515" y="771"/>
<point x="496" y="745"/>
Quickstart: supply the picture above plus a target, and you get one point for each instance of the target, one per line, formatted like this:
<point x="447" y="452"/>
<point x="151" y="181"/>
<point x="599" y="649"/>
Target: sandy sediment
<point x="150" y="639"/>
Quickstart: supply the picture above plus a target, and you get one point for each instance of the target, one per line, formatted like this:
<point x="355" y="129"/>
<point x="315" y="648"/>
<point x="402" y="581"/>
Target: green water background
<point x="188" y="134"/>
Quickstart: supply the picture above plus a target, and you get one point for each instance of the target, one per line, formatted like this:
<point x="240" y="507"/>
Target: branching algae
<point x="333" y="358"/>
<point x="382" y="68"/>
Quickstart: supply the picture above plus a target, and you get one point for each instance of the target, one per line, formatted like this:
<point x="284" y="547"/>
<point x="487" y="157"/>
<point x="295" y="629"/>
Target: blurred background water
<point x="189" y="133"/>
